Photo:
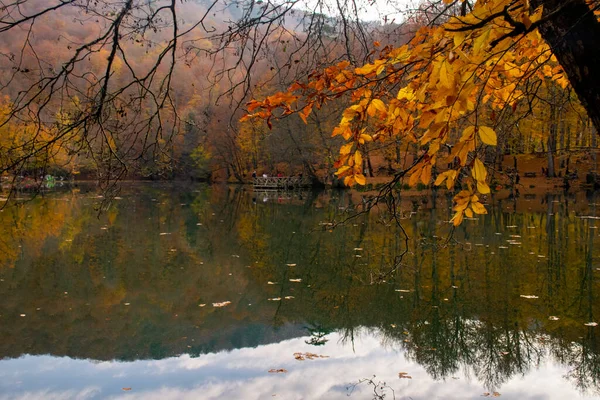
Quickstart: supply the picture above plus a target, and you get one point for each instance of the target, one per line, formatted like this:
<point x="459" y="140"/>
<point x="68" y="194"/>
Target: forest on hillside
<point x="149" y="89"/>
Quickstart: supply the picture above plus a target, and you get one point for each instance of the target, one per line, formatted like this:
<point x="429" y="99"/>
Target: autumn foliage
<point x="445" y="91"/>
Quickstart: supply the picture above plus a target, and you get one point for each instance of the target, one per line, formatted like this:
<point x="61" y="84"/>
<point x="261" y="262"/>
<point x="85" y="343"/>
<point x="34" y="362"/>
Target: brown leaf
<point x="310" y="356"/>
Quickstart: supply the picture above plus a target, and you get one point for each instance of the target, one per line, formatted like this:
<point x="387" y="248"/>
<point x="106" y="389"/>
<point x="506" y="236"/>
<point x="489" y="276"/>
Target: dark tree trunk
<point x="573" y="33"/>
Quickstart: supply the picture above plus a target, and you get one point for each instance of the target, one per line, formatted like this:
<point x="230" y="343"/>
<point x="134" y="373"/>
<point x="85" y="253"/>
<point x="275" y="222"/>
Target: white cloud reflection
<point x="242" y="374"/>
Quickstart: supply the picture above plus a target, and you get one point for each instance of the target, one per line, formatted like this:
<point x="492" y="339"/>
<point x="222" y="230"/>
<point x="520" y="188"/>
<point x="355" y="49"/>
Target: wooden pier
<point x="279" y="183"/>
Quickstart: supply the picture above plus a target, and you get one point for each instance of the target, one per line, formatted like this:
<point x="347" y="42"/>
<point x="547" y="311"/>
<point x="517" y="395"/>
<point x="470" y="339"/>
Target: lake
<point x="216" y="292"/>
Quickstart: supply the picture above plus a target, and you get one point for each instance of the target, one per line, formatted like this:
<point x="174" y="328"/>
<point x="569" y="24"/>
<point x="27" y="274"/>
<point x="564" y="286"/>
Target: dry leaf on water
<point x="222" y="304"/>
<point x="278" y="370"/>
<point x="404" y="375"/>
<point x="310" y="356"/>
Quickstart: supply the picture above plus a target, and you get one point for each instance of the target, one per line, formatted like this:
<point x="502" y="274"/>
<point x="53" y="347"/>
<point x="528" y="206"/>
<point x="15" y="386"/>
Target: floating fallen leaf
<point x="310" y="356"/>
<point x="201" y="305"/>
<point x="393" y="325"/>
<point x="275" y="299"/>
<point x="23" y="315"/>
<point x="127" y="304"/>
<point x="357" y="256"/>
<point x="221" y="304"/>
<point x="164" y="233"/>
<point x="288" y="297"/>
<point x="494" y="394"/>
<point x="278" y="370"/>
<point x="296" y="280"/>
<point x="404" y="375"/>
<point x="291" y="265"/>
<point x="591" y="324"/>
<point x="553" y="318"/>
<point x="502" y="247"/>
<point x="358" y="249"/>
<point x="529" y="296"/>
<point x="403" y="290"/>
<point x="272" y="283"/>
<point x="126" y="389"/>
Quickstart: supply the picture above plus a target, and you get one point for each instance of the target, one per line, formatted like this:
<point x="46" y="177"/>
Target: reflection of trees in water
<point x="464" y="311"/>
<point x="459" y="308"/>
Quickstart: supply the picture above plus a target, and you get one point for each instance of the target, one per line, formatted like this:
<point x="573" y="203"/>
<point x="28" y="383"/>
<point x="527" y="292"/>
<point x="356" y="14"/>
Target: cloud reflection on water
<point x="242" y="374"/>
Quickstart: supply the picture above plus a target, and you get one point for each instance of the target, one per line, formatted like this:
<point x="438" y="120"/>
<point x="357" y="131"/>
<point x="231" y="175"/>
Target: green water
<point x="96" y="302"/>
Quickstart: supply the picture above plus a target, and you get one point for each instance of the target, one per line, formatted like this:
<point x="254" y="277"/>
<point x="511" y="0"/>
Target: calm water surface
<point x="198" y="292"/>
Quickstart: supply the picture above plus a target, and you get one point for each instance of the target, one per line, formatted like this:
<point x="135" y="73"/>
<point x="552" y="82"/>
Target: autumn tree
<point x="447" y="91"/>
<point x="449" y="87"/>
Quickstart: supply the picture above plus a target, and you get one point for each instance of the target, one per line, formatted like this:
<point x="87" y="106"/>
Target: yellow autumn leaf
<point x="457" y="219"/>
<point x="360" y="179"/>
<point x="406" y="93"/>
<point x="478" y="208"/>
<point x="469" y="213"/>
<point x="366" y="69"/>
<point x="483" y="187"/>
<point x="467" y="134"/>
<point x="366" y="138"/>
<point x="341" y="170"/>
<point x="426" y="174"/>
<point x="379" y="105"/>
<point x="357" y="159"/>
<point x="478" y="171"/>
<point x="447" y="176"/>
<point x="441" y="178"/>
<point x="414" y="178"/>
<point x="345" y="149"/>
<point x="446" y="74"/>
<point x="487" y="135"/>
<point x="462" y="195"/>
<point x="451" y="178"/>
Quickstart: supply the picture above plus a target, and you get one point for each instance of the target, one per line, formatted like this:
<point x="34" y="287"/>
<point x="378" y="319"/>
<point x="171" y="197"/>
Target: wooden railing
<point x="284" y="182"/>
